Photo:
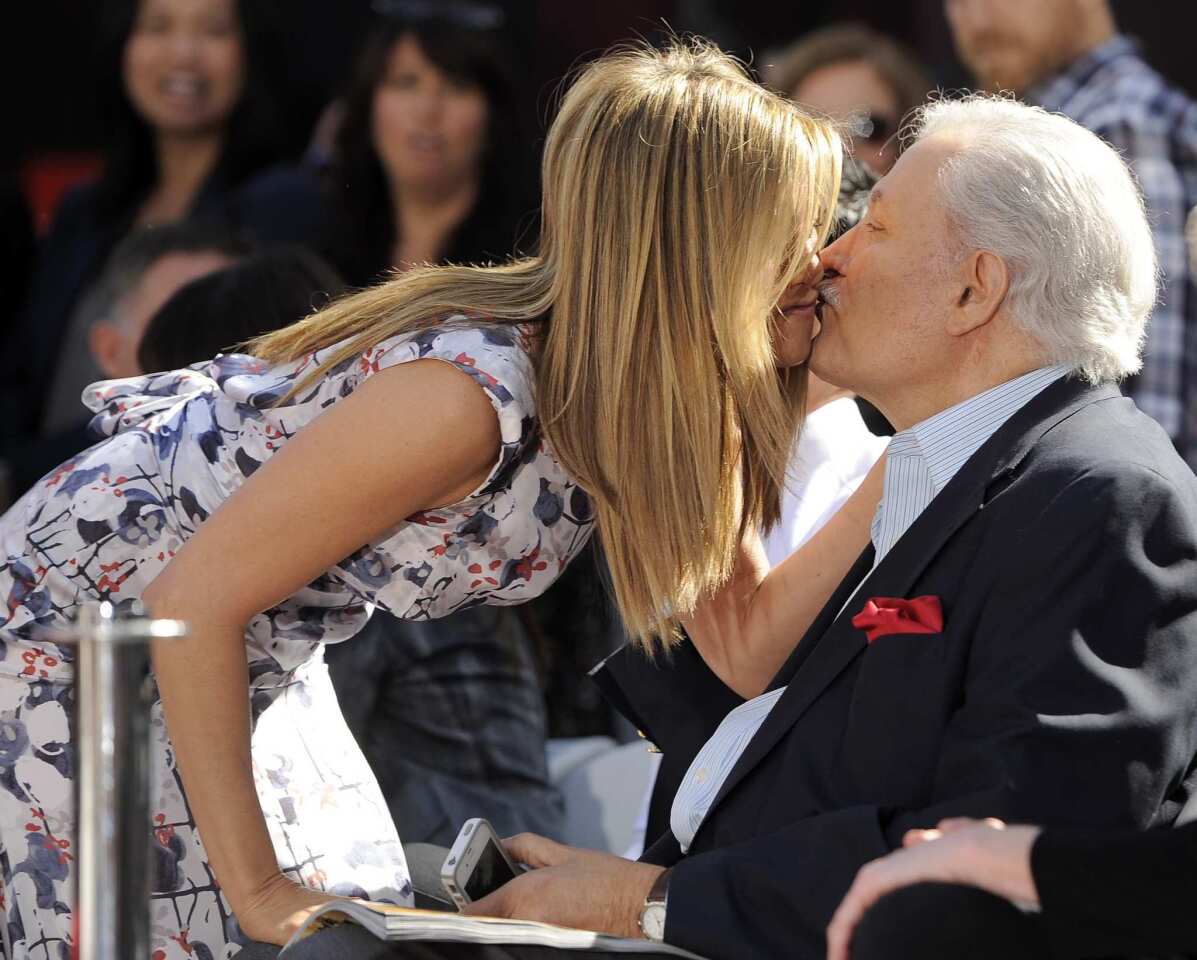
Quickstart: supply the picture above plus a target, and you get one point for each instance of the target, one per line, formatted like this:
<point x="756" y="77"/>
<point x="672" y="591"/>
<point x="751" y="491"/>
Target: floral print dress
<point x="106" y="522"/>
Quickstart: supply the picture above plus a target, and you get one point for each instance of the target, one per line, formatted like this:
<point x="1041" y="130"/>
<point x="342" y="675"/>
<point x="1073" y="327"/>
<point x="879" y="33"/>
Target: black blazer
<point x="1115" y="894"/>
<point x="1062" y="690"/>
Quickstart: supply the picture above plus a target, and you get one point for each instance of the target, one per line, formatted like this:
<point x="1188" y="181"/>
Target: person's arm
<point x="359" y="469"/>
<point x="747" y="629"/>
<point x="983" y="854"/>
<point x="1101" y="892"/>
<point x="1117" y="893"/>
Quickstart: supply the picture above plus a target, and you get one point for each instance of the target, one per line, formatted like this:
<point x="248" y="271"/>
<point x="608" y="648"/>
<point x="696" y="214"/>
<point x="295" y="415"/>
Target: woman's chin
<point x="794" y="337"/>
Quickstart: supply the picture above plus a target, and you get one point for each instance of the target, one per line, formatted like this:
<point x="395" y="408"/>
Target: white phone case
<point x="463" y="858"/>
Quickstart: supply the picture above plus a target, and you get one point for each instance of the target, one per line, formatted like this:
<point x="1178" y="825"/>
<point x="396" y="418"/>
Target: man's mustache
<point x="829" y="293"/>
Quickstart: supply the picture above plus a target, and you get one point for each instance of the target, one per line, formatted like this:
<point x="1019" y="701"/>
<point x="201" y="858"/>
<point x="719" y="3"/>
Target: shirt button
<point x="700" y="776"/>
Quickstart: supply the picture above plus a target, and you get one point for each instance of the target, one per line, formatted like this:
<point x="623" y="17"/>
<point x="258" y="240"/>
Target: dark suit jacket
<point x="1062" y="690"/>
<point x="1115" y="894"/>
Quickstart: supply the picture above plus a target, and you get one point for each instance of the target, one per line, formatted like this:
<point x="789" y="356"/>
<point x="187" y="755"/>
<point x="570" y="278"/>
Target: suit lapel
<point x="832" y="640"/>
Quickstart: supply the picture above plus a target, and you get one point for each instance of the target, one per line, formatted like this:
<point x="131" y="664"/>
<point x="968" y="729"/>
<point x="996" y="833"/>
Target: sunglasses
<point x="463" y="13"/>
<point x="872" y="127"/>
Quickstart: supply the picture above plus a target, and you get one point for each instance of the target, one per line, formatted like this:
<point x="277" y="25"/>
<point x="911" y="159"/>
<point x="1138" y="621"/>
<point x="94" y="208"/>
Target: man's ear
<point x="106" y="343"/>
<point x="984" y="283"/>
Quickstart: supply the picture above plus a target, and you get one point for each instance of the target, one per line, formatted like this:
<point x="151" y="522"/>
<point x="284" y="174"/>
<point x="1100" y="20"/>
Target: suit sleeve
<point x="1076" y="709"/>
<point x="1109" y="893"/>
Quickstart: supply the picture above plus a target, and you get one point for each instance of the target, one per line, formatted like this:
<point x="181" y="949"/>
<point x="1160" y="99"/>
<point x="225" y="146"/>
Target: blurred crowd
<point x="203" y="230"/>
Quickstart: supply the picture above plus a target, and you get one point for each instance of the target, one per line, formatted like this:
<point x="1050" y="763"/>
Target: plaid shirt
<point x="1112" y="92"/>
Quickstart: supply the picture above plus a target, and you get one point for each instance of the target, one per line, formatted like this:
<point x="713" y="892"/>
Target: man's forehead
<point x="914" y="173"/>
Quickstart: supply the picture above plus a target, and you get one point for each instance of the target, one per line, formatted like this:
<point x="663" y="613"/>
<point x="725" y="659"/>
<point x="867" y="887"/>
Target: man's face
<point x="115" y="344"/>
<point x="889" y="288"/>
<point x="1014" y="44"/>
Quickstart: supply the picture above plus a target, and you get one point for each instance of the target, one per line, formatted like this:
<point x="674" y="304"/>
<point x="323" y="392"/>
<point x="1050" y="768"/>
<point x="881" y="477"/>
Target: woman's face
<point x="184" y="64"/>
<point x="429" y="128"/>
<point x="795" y="325"/>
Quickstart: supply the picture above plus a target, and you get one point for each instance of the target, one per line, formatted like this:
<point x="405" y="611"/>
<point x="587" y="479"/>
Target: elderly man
<point x="1067" y="56"/>
<point x="1020" y="638"/>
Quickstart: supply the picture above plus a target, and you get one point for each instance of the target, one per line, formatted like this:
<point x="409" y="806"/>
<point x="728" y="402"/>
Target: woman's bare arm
<point x="412" y="437"/>
<point x="747" y="629"/>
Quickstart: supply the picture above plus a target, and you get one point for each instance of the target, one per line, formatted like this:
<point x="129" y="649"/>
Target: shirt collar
<point x="1055" y="91"/>
<point x="946" y="440"/>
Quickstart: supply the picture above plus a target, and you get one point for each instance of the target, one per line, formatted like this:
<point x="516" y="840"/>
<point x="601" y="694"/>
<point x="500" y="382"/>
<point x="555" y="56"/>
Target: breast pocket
<point x="900" y="705"/>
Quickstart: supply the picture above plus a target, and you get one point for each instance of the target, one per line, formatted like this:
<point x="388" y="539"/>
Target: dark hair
<point x="222" y="310"/>
<point x="847" y="42"/>
<point x="856" y="183"/>
<point x="141" y="249"/>
<point x="254" y="137"/>
<point x="475" y="54"/>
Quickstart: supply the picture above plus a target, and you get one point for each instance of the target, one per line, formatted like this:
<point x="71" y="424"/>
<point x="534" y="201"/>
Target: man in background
<point x="145" y="270"/>
<point x="1068" y="57"/>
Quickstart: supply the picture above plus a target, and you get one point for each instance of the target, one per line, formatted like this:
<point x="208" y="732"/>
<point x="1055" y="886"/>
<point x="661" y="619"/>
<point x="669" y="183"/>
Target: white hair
<point x="1061" y="208"/>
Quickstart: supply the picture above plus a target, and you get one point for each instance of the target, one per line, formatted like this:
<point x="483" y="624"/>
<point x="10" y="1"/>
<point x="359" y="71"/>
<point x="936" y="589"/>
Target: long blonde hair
<point x="678" y="198"/>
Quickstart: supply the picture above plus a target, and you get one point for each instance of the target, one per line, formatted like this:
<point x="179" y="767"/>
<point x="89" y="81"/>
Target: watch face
<point x="652" y="921"/>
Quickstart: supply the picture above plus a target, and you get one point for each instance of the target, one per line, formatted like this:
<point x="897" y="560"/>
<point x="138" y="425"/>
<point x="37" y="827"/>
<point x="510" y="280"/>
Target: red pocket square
<point x="882" y="616"/>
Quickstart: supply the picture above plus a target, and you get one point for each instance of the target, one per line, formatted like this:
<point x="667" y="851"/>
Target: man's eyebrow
<point x="876" y="195"/>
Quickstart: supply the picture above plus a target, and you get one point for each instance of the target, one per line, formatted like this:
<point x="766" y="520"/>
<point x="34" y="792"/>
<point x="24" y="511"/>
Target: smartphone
<point x="477" y="864"/>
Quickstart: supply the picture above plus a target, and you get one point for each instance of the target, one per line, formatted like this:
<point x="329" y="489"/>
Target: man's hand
<point x="571" y="888"/>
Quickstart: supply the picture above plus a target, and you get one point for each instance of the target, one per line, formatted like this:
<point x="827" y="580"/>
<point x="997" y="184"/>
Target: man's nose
<point x="833" y="257"/>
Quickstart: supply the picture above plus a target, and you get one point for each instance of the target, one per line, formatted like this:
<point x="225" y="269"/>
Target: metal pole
<point x="113" y="694"/>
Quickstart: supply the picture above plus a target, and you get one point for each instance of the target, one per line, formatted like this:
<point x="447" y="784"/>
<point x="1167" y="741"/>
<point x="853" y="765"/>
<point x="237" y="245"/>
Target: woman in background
<point x="856" y="75"/>
<point x="428" y="162"/>
<point x="189" y="118"/>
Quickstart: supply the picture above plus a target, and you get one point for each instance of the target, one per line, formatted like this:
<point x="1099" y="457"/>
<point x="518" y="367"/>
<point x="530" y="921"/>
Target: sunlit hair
<point x="1062" y="209"/>
<point x="678" y="196"/>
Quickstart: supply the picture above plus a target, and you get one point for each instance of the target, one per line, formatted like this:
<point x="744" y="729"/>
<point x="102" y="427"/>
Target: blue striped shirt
<point x="922" y="460"/>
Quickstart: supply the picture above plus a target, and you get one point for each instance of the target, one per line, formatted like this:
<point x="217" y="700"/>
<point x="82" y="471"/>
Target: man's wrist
<point x="651" y="922"/>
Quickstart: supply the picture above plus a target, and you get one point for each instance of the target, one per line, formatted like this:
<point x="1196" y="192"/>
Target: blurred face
<point x="184" y="64"/>
<point x="115" y="343"/>
<point x="1014" y="44"/>
<point x="887" y="287"/>
<point x="795" y="324"/>
<point x="854" y="90"/>
<point x="429" y="128"/>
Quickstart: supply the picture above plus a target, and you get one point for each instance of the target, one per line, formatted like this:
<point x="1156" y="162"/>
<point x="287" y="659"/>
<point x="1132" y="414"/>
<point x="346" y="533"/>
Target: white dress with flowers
<point x="105" y="523"/>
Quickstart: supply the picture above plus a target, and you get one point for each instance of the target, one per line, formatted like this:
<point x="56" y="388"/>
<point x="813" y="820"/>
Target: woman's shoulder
<point x="494" y="355"/>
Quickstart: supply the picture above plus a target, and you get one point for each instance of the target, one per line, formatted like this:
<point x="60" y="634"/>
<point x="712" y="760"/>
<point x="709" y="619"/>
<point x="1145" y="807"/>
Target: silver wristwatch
<point x="652" y="914"/>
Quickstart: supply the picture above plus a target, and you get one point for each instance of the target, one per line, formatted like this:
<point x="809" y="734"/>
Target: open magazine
<point x="392" y="923"/>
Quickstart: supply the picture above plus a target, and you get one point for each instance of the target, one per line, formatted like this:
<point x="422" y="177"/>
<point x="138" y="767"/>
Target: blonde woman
<point x="446" y="439"/>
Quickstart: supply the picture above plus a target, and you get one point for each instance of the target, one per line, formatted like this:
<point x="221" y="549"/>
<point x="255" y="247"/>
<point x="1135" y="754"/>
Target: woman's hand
<point x="985" y="854"/>
<point x="278" y="908"/>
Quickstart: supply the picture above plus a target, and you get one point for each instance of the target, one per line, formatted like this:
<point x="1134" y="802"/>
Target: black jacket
<point x="1110" y="894"/>
<point x="1062" y="690"/>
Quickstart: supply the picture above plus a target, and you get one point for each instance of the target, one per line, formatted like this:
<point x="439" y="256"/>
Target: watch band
<point x="660" y="888"/>
<point x="652" y="913"/>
